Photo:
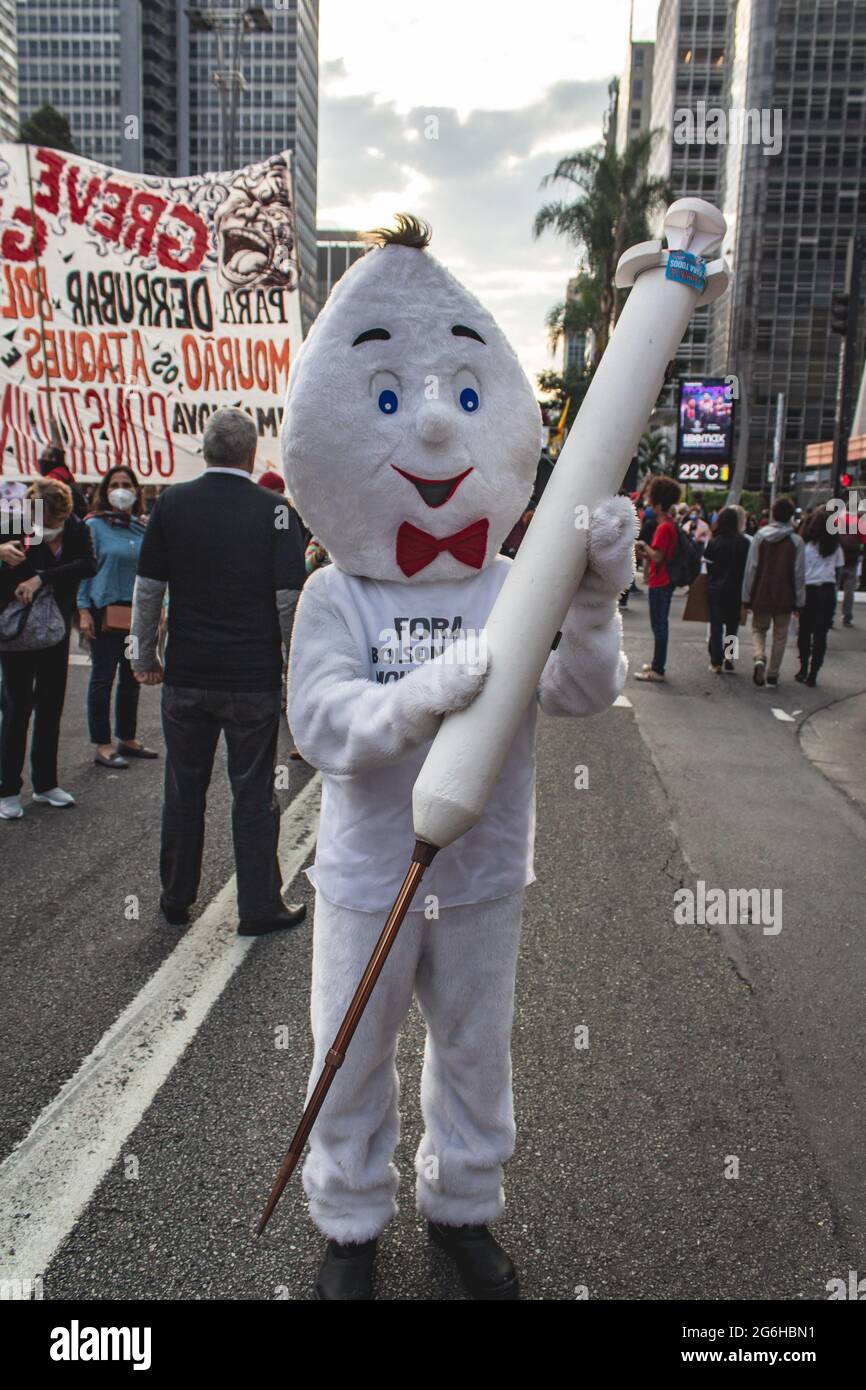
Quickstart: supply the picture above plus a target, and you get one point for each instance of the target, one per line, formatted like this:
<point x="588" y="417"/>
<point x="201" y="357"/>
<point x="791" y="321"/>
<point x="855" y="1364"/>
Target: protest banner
<point x="132" y="306"/>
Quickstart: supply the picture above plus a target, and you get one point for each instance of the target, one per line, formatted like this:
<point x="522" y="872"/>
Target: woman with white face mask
<point x="116" y="522"/>
<point x="57" y="556"/>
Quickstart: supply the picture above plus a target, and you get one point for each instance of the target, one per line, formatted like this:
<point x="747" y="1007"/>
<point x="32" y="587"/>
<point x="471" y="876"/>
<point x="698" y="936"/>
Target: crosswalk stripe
<point x="49" y="1178"/>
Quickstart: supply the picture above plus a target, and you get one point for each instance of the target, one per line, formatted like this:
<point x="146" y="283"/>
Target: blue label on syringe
<point x="686" y="268"/>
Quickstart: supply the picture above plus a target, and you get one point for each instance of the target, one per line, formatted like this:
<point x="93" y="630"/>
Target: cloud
<point x="332" y="70"/>
<point x="476" y="180"/>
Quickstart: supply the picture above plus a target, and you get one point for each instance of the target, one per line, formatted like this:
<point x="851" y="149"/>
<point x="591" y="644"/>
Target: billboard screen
<point x="133" y="306"/>
<point x="705" y="429"/>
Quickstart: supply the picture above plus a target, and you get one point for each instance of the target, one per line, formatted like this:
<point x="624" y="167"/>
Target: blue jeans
<point x="659" y="610"/>
<point x="109" y="661"/>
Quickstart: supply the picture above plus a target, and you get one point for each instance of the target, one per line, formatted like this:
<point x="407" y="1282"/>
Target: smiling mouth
<point x="434" y="491"/>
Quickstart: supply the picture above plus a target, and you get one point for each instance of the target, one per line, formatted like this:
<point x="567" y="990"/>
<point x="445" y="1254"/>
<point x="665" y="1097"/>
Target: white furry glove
<point x="612" y="534"/>
<point x="450" y="681"/>
<point x="588" y="669"/>
<point x="343" y="722"/>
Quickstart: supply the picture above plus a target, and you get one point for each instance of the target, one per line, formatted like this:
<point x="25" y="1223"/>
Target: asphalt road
<point x="706" y="1142"/>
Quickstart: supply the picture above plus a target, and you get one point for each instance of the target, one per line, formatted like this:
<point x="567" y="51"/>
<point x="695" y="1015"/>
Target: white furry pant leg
<point x="462" y="969"/>
<point x="465" y="987"/>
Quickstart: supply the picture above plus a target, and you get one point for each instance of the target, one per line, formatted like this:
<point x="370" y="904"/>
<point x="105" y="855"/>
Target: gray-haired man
<point x="231" y="555"/>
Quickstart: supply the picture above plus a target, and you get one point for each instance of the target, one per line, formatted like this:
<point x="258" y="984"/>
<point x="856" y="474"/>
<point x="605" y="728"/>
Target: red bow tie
<point x="416" y="549"/>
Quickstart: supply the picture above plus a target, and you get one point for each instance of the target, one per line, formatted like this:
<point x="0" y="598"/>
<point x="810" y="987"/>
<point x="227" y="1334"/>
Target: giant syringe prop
<point x="467" y="755"/>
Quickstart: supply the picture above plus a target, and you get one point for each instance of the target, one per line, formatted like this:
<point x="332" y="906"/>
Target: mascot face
<point x="411" y="434"/>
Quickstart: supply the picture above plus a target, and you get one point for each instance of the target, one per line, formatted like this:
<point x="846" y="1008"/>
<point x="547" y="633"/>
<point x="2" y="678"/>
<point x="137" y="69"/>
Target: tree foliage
<point x="610" y="203"/>
<point x="47" y="127"/>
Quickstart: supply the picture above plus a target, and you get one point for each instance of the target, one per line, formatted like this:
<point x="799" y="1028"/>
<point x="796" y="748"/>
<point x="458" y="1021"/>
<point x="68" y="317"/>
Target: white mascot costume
<point x="410" y="444"/>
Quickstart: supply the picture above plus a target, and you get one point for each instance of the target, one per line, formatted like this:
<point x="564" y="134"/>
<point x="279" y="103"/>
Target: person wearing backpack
<point x="664" y="494"/>
<point x="774" y="585"/>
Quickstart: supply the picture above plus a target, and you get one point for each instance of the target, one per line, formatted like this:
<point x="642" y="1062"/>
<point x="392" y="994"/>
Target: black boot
<point x="346" y="1273"/>
<point x="802" y="673"/>
<point x="486" y="1271"/>
<point x="812" y="678"/>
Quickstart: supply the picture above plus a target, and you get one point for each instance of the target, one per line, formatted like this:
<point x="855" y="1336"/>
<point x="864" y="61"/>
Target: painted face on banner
<point x="253" y="232"/>
<point x="411" y="434"/>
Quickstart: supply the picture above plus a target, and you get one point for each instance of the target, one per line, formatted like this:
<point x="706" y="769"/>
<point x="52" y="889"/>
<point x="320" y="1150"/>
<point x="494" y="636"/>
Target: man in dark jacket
<point x="774" y="585"/>
<point x="229" y="553"/>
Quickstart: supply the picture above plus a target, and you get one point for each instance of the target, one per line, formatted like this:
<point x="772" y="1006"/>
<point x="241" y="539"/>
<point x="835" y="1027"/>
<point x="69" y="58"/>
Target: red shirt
<point x="665" y="540"/>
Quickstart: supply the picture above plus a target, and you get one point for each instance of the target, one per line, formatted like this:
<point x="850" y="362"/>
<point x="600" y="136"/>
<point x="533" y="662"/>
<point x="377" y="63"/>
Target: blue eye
<point x="388" y="402"/>
<point x="469" y="399"/>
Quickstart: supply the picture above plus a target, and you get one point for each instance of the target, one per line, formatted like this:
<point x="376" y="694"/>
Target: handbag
<point x="697" y="609"/>
<point x="30" y="627"/>
<point x="117" y="617"/>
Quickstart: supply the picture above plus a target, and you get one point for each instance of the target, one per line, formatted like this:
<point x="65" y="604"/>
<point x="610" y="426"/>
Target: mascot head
<point x="411" y="434"/>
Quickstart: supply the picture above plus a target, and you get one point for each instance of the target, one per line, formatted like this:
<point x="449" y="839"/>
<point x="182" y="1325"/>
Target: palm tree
<point x="653" y="451"/>
<point x="559" y="387"/>
<point x="614" y="201"/>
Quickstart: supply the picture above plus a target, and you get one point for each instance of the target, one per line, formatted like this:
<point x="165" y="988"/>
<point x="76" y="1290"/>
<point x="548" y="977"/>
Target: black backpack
<point x="684" y="566"/>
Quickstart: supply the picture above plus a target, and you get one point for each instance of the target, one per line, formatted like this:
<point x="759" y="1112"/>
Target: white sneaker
<point x="56" y="797"/>
<point x="11" y="808"/>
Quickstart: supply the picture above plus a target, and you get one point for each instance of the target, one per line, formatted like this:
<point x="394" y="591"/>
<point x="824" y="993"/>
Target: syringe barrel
<point x="471" y="746"/>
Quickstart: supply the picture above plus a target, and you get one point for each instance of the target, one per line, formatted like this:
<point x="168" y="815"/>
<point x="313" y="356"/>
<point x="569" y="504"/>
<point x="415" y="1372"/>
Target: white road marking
<point x="622" y="702"/>
<point x="48" y="1180"/>
<point x="78" y="659"/>
<point x="784" y="716"/>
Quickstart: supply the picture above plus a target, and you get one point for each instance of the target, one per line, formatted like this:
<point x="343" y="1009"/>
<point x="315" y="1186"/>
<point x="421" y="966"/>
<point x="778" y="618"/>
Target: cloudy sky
<point x="502" y="96"/>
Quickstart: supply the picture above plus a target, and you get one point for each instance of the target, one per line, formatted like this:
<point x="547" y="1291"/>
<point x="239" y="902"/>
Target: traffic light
<point x="846" y="480"/>
<point x="839" y="314"/>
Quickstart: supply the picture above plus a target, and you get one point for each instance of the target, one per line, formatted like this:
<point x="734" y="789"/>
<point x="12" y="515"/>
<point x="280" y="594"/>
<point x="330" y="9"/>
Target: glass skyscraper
<point x="634" y="102"/>
<point x="136" y="86"/>
<point x="69" y="58"/>
<point x="277" y="111"/>
<point x="689" y="67"/>
<point x="790" y="215"/>
<point x="8" y="72"/>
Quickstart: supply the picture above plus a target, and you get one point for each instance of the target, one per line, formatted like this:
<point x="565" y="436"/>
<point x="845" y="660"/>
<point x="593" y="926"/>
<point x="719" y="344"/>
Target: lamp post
<point x="844" y="315"/>
<point x="229" y="27"/>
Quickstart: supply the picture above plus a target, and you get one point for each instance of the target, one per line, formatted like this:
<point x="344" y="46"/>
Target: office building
<point x="135" y="80"/>
<point x="277" y="108"/>
<point x="634" y="102"/>
<point x="8" y="72"/>
<point x="337" y="250"/>
<point x="576" y="347"/>
<point x="791" y="214"/>
<point x="69" y="58"/>
<point x="689" y="78"/>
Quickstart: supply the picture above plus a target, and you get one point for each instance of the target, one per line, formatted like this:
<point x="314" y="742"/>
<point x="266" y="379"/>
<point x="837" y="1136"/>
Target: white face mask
<point x="122" y="498"/>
